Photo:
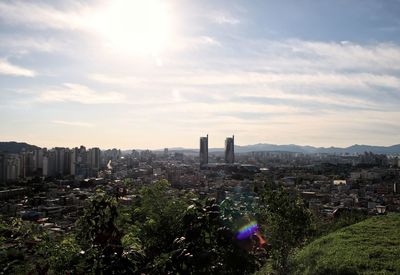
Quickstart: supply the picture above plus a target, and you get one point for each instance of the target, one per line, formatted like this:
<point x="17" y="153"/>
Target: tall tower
<point x="230" y="150"/>
<point x="203" y="150"/>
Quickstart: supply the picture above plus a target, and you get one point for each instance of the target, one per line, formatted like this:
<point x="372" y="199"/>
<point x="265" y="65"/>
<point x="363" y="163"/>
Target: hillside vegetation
<point x="368" y="247"/>
<point x="16" y="147"/>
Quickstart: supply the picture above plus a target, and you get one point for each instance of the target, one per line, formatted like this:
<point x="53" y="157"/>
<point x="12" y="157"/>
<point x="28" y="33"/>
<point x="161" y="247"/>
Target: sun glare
<point x="133" y="26"/>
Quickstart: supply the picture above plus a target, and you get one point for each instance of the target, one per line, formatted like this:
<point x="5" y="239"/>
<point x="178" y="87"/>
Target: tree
<point x="209" y="245"/>
<point x="20" y="249"/>
<point x="183" y="235"/>
<point x="287" y="223"/>
<point x="100" y="238"/>
<point x="157" y="217"/>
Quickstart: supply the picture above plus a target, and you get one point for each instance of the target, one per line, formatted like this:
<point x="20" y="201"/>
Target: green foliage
<point x="97" y="226"/>
<point x="369" y="247"/>
<point x="20" y="247"/>
<point x="181" y="235"/>
<point x="100" y="238"/>
<point x="287" y="224"/>
<point x="128" y="182"/>
<point x="63" y="253"/>
<point x="157" y="216"/>
<point x="164" y="232"/>
<point x="209" y="246"/>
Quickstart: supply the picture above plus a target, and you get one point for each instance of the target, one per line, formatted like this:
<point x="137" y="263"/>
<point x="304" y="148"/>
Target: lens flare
<point x="247" y="230"/>
<point x="251" y="229"/>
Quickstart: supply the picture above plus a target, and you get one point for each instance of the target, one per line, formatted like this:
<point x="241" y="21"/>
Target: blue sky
<point x="154" y="74"/>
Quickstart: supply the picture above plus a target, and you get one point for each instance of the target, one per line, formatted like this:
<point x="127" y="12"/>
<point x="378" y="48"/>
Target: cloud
<point x="224" y="18"/>
<point x="73" y="123"/>
<point x="43" y="16"/>
<point x="113" y="79"/>
<point x="18" y="44"/>
<point x="71" y="92"/>
<point x="346" y="55"/>
<point x="271" y="79"/>
<point x="206" y="40"/>
<point x="7" y="68"/>
<point x="194" y="43"/>
<point x="331" y="80"/>
<point x="257" y="86"/>
<point x="315" y="56"/>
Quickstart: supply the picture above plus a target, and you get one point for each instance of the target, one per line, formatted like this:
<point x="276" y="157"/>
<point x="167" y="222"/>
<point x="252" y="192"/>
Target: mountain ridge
<point x="16" y="147"/>
<point x="293" y="148"/>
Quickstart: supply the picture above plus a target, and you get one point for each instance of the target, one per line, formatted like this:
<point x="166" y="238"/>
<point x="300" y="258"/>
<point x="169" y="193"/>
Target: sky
<point x="158" y="73"/>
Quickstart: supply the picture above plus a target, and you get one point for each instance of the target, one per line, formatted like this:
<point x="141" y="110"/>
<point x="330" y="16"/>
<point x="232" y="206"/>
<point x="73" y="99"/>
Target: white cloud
<point x="113" y="79"/>
<point x="302" y="55"/>
<point x="255" y="87"/>
<point x="207" y="40"/>
<point x="225" y="18"/>
<point x="73" y="123"/>
<point x="18" y="44"/>
<point x="190" y="43"/>
<point x="254" y="81"/>
<point x="382" y="56"/>
<point x="71" y="92"/>
<point x="40" y="15"/>
<point x="7" y="68"/>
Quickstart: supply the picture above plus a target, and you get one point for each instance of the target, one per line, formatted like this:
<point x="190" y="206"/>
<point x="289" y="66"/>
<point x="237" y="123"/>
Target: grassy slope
<point x="369" y="247"/>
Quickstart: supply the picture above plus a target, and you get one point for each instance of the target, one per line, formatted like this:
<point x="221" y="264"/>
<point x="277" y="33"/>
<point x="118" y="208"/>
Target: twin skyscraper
<point x="229" y="150"/>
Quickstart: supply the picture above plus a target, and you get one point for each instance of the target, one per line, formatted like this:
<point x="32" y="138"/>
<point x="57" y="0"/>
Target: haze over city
<point x="155" y="74"/>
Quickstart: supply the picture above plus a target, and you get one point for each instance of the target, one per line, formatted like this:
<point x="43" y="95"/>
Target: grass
<point x="368" y="247"/>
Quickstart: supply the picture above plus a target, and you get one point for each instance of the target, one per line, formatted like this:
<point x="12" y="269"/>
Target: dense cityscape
<point x="327" y="183"/>
<point x="54" y="188"/>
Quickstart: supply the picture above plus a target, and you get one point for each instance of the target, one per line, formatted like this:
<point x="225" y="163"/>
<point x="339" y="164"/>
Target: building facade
<point x="203" y="151"/>
<point x="230" y="150"/>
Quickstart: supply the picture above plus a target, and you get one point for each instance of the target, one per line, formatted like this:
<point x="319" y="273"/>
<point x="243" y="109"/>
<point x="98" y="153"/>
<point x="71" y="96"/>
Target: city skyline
<point x="155" y="74"/>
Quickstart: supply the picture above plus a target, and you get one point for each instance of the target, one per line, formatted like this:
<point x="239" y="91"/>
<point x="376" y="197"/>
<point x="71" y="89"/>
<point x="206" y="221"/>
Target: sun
<point x="133" y="26"/>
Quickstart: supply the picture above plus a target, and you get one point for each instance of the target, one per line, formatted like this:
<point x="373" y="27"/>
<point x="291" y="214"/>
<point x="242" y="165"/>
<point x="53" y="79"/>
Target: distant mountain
<point x="354" y="149"/>
<point x="273" y="147"/>
<point x="16" y="147"/>
<point x="394" y="149"/>
<point x="375" y="149"/>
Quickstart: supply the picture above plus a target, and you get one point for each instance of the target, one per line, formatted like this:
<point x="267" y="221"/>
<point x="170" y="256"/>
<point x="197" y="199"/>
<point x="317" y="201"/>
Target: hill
<point x="354" y="149"/>
<point x="368" y="247"/>
<point x="293" y="148"/>
<point x="16" y="147"/>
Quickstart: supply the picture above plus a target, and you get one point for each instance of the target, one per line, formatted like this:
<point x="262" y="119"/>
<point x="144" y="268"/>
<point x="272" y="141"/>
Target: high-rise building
<point x="230" y="149"/>
<point x="9" y="167"/>
<point x="13" y="167"/>
<point x="49" y="163"/>
<point x="78" y="162"/>
<point x="38" y="160"/>
<point x="3" y="167"/>
<point x="26" y="164"/>
<point x="60" y="159"/>
<point x="203" y="150"/>
<point x="93" y="159"/>
<point x="67" y="161"/>
<point x="75" y="160"/>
